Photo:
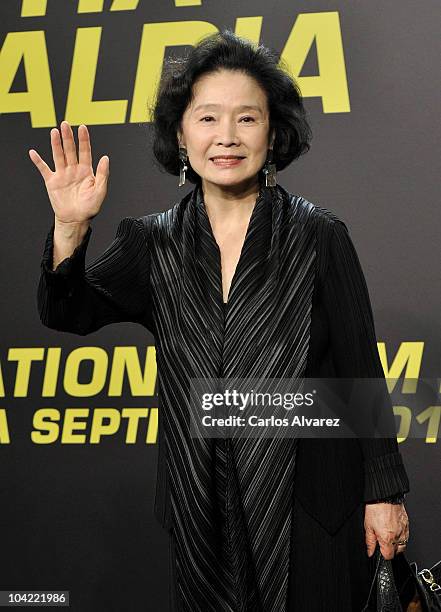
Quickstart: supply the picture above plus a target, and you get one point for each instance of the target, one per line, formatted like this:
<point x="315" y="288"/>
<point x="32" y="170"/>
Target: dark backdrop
<point x="80" y="516"/>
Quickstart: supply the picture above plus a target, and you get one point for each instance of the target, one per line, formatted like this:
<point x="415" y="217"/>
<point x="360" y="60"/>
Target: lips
<point x="226" y="157"/>
<point x="226" y="162"/>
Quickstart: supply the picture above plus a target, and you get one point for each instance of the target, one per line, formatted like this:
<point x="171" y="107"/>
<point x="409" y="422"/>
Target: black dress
<point x="314" y="547"/>
<point x="335" y="566"/>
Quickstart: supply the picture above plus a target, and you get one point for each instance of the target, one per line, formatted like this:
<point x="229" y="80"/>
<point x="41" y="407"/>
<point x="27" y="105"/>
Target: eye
<point x="210" y="117"/>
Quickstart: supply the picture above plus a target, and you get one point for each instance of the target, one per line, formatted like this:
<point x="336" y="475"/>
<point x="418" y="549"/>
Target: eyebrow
<point x="242" y="107"/>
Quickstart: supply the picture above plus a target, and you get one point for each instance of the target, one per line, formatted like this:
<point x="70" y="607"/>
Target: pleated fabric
<point x="228" y="503"/>
<point x="242" y="507"/>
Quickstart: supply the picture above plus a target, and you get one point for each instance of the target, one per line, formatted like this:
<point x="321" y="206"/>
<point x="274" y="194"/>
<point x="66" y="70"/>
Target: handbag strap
<point x="377" y="552"/>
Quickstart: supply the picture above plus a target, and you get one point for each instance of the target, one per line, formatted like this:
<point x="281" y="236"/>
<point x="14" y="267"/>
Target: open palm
<point x="75" y="192"/>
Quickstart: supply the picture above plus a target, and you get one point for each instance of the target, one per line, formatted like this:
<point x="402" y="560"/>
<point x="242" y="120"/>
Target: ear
<point x="272" y="138"/>
<point x="180" y="137"/>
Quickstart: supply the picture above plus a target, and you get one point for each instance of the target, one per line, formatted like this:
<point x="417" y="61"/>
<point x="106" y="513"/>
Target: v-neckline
<point x="205" y="319"/>
<point x="260" y="197"/>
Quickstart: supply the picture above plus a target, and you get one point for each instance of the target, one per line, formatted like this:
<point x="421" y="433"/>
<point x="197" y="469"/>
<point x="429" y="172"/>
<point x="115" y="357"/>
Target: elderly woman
<point x="238" y="279"/>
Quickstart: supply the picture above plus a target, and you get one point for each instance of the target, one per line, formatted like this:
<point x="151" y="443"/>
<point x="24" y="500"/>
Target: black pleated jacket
<point x="298" y="306"/>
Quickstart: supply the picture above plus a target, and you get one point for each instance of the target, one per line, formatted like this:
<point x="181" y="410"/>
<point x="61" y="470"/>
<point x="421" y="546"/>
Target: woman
<point x="238" y="279"/>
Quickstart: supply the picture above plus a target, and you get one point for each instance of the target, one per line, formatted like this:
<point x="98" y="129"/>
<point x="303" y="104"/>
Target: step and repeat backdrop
<point x="78" y="415"/>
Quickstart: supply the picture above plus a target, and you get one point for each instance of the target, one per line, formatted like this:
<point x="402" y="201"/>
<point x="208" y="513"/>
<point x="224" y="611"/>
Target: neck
<point x="230" y="200"/>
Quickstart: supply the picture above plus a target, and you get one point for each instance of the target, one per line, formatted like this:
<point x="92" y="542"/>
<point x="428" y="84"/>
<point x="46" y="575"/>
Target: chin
<point x="230" y="179"/>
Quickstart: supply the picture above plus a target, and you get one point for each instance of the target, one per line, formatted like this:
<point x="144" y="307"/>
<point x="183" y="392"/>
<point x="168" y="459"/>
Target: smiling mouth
<point x="226" y="161"/>
<point x="228" y="157"/>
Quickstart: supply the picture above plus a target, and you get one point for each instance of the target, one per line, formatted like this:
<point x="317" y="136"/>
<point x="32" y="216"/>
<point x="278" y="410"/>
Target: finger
<point x="387" y="546"/>
<point x="103" y="171"/>
<point x="404" y="537"/>
<point x="69" y="146"/>
<point x="371" y="541"/>
<point x="84" y="147"/>
<point x="57" y="150"/>
<point x="387" y="550"/>
<point x="42" y="166"/>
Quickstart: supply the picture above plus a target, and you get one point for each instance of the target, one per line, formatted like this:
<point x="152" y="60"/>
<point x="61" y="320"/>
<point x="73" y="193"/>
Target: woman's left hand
<point x="387" y="523"/>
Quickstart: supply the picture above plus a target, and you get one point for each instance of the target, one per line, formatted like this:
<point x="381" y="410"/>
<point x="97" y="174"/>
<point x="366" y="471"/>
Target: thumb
<point x="103" y="170"/>
<point x="371" y="540"/>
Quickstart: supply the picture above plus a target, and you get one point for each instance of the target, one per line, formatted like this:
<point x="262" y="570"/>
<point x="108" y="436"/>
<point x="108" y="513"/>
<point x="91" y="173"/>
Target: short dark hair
<point x="226" y="51"/>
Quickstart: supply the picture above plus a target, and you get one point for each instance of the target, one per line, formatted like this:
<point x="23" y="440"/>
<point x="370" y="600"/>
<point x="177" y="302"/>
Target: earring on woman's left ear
<point x="184" y="159"/>
<point x="270" y="170"/>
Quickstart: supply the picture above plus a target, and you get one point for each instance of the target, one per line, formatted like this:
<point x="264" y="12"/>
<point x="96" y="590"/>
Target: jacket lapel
<point x="253" y="287"/>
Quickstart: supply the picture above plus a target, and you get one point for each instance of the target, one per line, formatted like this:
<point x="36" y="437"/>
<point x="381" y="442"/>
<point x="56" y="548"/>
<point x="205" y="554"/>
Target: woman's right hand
<point x="75" y="193"/>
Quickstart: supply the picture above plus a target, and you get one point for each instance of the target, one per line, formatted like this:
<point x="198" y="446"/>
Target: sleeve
<point x="355" y="355"/>
<point x="115" y="287"/>
<point x="399" y="498"/>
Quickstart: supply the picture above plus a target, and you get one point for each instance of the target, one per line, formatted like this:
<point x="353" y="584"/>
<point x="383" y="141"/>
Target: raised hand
<point x="75" y="192"/>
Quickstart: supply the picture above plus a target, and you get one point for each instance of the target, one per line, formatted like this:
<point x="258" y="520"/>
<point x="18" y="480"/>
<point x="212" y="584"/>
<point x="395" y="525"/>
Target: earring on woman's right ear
<point x="184" y="159"/>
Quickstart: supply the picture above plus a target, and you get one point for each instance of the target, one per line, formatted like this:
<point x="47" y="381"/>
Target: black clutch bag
<point x="398" y="586"/>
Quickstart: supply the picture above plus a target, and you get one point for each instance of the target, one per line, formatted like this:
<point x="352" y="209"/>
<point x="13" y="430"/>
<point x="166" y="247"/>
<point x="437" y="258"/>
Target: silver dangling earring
<point x="270" y="170"/>
<point x="184" y="158"/>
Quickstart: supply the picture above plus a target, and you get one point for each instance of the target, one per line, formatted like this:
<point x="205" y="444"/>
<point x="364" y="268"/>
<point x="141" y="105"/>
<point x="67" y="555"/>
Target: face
<point x="228" y="116"/>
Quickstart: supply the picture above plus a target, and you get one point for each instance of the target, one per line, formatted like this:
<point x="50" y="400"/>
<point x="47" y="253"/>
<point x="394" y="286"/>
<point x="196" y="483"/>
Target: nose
<point x="227" y="135"/>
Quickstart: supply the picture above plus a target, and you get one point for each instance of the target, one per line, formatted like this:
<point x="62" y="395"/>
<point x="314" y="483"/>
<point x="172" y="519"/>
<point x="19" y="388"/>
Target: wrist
<point x="66" y="238"/>
<point x="73" y="231"/>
